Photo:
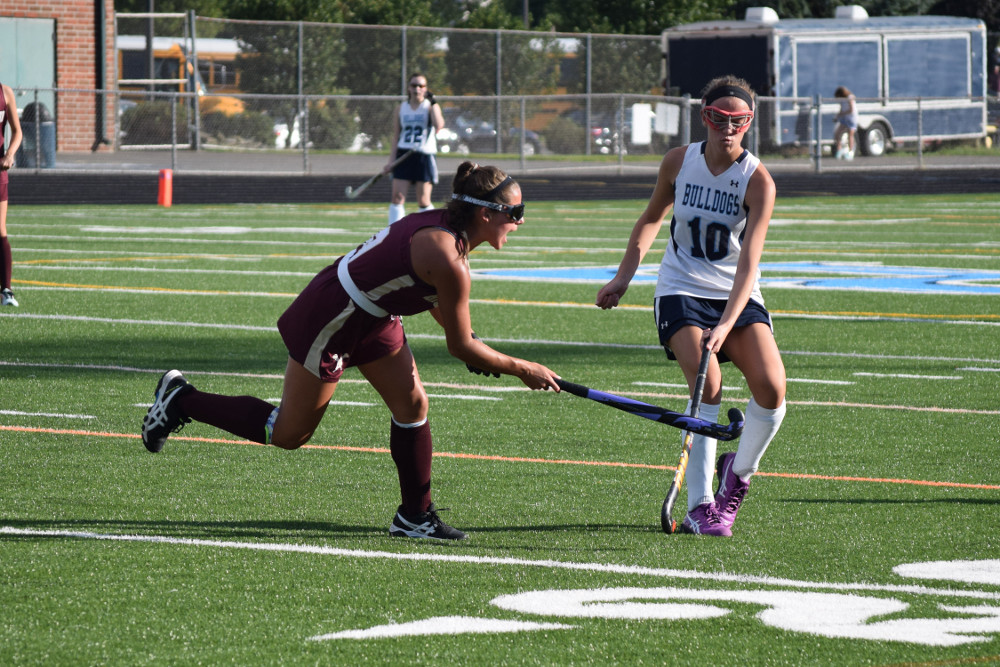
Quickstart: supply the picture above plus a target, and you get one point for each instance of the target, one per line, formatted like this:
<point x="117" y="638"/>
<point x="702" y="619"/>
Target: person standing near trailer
<point x="414" y="128"/>
<point x="8" y="118"/>
<point x="847" y="123"/>
<point x="708" y="292"/>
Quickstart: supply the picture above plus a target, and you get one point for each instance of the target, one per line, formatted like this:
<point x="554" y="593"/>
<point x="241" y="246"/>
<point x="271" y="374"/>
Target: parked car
<point x="465" y="133"/>
<point x="532" y="141"/>
<point x="449" y="141"/>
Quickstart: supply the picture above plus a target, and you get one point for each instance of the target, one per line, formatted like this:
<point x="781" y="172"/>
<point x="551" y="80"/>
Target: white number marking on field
<point x="442" y="625"/>
<point x="834" y="615"/>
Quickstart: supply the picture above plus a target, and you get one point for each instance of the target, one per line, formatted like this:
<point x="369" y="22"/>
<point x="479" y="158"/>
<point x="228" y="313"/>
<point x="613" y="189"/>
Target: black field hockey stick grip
<point x="656" y="413"/>
<point x="667" y="521"/>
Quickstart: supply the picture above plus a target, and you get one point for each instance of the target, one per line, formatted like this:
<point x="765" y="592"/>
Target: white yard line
<point x="448" y="385"/>
<point x="610" y="568"/>
<point x="519" y="341"/>
<point x="908" y="376"/>
<point x="57" y="415"/>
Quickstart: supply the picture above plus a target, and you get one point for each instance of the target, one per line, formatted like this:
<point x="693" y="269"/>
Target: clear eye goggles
<point x="722" y="120"/>
<point x="515" y="212"/>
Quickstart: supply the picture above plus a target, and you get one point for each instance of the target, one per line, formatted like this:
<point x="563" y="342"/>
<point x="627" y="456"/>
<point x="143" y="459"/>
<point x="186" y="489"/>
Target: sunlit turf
<point x="887" y="455"/>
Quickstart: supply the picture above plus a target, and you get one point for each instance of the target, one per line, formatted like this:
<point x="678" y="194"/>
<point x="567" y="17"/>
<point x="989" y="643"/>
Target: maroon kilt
<point x="326" y="332"/>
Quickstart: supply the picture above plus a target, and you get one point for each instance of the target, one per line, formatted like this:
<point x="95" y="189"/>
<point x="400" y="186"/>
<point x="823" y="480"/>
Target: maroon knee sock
<point x="6" y="263"/>
<point x="411" y="451"/>
<point x="244" y="416"/>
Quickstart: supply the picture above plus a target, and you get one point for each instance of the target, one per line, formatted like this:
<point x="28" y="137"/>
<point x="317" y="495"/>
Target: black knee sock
<point x="243" y="416"/>
<point x="6" y="263"/>
<point x="411" y="449"/>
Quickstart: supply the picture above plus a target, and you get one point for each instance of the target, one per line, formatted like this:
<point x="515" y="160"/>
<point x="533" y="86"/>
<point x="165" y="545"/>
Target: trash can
<point x="37" y="120"/>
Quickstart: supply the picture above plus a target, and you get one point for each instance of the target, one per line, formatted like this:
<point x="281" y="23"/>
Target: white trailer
<point x="915" y="77"/>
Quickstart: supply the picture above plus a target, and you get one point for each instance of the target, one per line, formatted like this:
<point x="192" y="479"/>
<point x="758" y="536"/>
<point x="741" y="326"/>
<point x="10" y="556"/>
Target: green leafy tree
<point x="987" y="10"/>
<point x="529" y="62"/>
<point x="624" y="65"/>
<point x="635" y="17"/>
<point x="216" y="8"/>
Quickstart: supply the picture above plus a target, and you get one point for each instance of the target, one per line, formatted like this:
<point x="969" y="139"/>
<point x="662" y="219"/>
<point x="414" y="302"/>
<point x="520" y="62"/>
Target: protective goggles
<point x="721" y="120"/>
<point x="515" y="212"/>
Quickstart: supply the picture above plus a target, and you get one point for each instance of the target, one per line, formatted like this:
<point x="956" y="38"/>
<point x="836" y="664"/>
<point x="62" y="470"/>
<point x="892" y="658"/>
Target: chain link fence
<point x="582" y="131"/>
<point x="300" y="93"/>
<point x="262" y="85"/>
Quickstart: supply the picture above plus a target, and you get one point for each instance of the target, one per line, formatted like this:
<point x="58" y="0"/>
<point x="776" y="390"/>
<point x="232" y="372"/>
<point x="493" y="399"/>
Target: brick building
<point x="82" y="36"/>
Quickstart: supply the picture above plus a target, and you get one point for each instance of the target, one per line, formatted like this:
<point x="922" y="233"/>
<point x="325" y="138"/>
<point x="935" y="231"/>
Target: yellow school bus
<point x="174" y="68"/>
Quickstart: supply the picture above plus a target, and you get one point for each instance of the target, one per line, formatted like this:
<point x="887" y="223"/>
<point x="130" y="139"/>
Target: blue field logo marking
<point x="805" y="275"/>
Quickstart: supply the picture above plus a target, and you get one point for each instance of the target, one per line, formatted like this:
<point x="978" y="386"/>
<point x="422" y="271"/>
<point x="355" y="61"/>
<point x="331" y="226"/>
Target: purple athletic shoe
<point x="731" y="490"/>
<point x="704" y="520"/>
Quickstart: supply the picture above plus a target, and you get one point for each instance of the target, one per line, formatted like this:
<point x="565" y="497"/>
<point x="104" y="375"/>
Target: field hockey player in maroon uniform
<point x="8" y="118"/>
<point x="349" y="315"/>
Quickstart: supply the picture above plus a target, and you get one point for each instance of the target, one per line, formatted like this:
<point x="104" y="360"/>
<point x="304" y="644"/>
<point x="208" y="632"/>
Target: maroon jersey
<point x="381" y="269"/>
<point x="3" y="122"/>
<point x="349" y="314"/>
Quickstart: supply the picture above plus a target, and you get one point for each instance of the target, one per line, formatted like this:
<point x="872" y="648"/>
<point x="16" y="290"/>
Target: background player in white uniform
<point x="708" y="294"/>
<point x="418" y="121"/>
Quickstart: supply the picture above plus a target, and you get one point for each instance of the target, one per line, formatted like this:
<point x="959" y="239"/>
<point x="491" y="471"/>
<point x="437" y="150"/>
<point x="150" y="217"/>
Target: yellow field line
<point x="168" y="290"/>
<point x="547" y="304"/>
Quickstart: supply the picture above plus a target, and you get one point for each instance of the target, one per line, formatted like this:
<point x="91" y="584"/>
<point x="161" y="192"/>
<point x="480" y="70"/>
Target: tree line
<point x="633" y="17"/>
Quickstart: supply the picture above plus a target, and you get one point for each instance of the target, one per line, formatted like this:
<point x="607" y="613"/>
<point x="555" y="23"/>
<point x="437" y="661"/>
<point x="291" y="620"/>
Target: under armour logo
<point x="734" y="184"/>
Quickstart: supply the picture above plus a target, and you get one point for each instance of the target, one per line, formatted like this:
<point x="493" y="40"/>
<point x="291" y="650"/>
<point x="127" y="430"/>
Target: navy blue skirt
<point x="676" y="311"/>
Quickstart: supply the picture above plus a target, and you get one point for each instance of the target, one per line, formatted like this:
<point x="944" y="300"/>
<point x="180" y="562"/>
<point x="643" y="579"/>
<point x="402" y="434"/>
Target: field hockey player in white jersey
<point x="415" y="127"/>
<point x="708" y="294"/>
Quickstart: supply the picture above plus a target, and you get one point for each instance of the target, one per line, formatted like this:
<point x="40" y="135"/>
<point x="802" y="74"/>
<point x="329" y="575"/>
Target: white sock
<point x="758" y="431"/>
<point x="269" y="425"/>
<point x="413" y="425"/>
<point x="429" y="207"/>
<point x="396" y="211"/>
<point x="701" y="465"/>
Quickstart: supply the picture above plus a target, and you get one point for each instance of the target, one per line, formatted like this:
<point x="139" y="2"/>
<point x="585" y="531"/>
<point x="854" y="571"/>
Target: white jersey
<point x="416" y="128"/>
<point x="706" y="231"/>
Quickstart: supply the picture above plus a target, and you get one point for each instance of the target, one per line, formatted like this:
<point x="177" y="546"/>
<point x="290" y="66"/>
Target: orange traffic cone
<point x="166" y="194"/>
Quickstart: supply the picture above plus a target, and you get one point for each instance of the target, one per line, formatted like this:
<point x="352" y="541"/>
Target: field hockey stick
<point x="693" y="424"/>
<point x="354" y="193"/>
<point x="667" y="521"/>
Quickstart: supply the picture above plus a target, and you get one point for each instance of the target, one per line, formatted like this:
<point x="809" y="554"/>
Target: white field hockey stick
<point x="667" y="521"/>
<point x="354" y="193"/>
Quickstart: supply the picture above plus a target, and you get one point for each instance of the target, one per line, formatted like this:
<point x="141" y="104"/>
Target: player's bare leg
<point x="754" y="351"/>
<point x="304" y="400"/>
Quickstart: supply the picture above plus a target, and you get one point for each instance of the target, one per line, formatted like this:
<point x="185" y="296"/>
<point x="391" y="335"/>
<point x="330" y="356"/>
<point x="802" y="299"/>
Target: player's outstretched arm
<point x="645" y="230"/>
<point x="438" y="263"/>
